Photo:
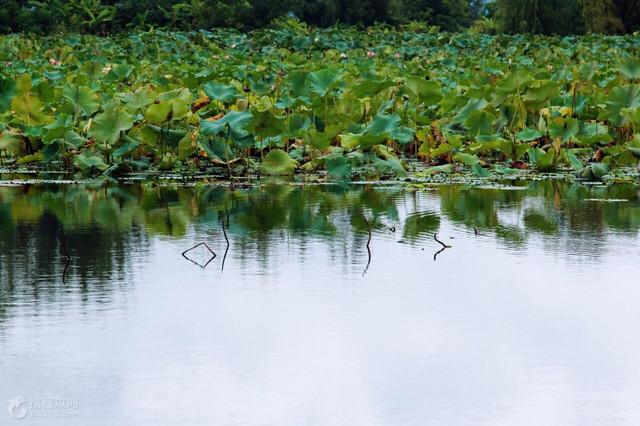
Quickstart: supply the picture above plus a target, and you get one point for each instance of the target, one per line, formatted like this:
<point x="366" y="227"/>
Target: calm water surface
<point x="530" y="318"/>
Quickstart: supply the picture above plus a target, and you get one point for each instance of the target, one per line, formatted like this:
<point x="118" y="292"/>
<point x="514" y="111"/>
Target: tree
<point x="601" y="16"/>
<point x="540" y="16"/>
<point x="449" y="15"/>
<point x="357" y="12"/>
<point x="629" y="13"/>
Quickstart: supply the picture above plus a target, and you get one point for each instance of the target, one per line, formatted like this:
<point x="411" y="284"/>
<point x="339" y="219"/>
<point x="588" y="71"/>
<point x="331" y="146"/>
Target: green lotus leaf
<point x="480" y="171"/>
<point x="108" y="126"/>
<point x="466" y="159"/>
<point x="572" y="159"/>
<point x="541" y="92"/>
<point x="592" y="133"/>
<point x="338" y="166"/>
<point x="8" y="91"/>
<point x="74" y="140"/>
<point x="129" y="144"/>
<point x="297" y="124"/>
<point x="221" y="92"/>
<point x="159" y="113"/>
<point x="234" y="119"/>
<point x="118" y="73"/>
<point x="296" y="82"/>
<point x="265" y="124"/>
<point x="480" y="123"/>
<point x="82" y="98"/>
<point x="594" y="171"/>
<point x="547" y="161"/>
<point x="390" y="165"/>
<point x="528" y="135"/>
<point x="428" y="92"/>
<point x="29" y="109"/>
<point x="323" y="81"/>
<point x="472" y="105"/>
<point x="514" y="82"/>
<point x="86" y="161"/>
<point x="383" y="124"/>
<point x="631" y="69"/>
<point x="635" y="151"/>
<point x="444" y="169"/>
<point x="138" y="100"/>
<point x="632" y="115"/>
<point x="58" y="128"/>
<point x="622" y="97"/>
<point x="563" y="128"/>
<point x="9" y="142"/>
<point x="51" y="150"/>
<point x="186" y="148"/>
<point x="278" y="162"/>
<point x="319" y="140"/>
<point x="371" y="87"/>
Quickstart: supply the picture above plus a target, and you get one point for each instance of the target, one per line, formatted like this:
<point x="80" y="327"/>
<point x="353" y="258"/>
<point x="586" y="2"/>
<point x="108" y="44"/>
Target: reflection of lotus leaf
<point x="420" y="224"/>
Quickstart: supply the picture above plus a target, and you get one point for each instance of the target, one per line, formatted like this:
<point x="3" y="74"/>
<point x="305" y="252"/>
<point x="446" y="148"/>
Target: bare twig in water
<point x="435" y="255"/>
<point x="68" y="260"/>
<point x="435" y="237"/>
<point x="444" y="246"/>
<point x="224" y="258"/>
<point x="368" y="244"/>
<point x="213" y="255"/>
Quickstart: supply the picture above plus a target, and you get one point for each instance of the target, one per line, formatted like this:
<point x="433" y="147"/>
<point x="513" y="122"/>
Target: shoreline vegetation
<point x="321" y="104"/>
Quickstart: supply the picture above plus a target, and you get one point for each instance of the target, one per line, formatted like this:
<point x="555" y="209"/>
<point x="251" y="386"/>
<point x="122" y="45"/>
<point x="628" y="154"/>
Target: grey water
<point x="531" y="317"/>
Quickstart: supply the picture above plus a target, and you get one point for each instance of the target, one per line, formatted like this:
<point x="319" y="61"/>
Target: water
<point x="530" y="318"/>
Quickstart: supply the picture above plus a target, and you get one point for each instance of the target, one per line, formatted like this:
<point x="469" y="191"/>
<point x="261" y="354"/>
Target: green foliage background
<point x="512" y="16"/>
<point x="100" y="16"/>
<point x="568" y="16"/>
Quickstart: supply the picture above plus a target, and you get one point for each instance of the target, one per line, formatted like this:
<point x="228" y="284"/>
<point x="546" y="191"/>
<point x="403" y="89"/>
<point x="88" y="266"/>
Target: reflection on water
<point x="527" y="319"/>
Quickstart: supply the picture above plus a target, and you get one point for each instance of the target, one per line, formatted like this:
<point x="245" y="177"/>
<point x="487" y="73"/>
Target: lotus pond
<point x="323" y="304"/>
<point x="347" y="103"/>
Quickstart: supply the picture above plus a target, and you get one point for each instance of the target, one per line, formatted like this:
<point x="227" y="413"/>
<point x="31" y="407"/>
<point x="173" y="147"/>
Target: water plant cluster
<point x="351" y="103"/>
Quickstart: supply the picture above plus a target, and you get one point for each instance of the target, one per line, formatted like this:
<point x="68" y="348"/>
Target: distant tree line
<point x="568" y="16"/>
<point x="108" y="16"/>
<point x="116" y="15"/>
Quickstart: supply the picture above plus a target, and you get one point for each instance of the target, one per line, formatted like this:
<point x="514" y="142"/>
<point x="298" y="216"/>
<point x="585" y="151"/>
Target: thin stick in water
<point x="444" y="247"/>
<point x="435" y="237"/>
<point x="224" y="258"/>
<point x="68" y="260"/>
<point x="368" y="245"/>
<point x="213" y="255"/>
